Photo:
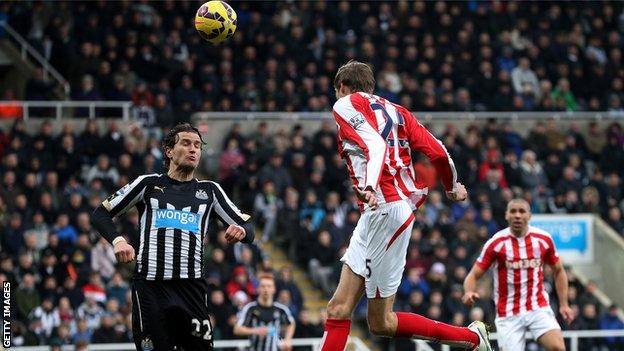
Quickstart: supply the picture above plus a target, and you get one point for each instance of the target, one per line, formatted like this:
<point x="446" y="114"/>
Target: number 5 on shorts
<point x="368" y="268"/>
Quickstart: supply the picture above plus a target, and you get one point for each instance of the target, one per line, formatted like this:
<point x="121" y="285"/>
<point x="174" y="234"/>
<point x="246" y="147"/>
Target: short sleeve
<point x="126" y="197"/>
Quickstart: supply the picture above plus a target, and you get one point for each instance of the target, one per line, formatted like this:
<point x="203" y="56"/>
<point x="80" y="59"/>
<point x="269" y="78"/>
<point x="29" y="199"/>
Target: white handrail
<point x="27" y="48"/>
<point x="219" y="344"/>
<point x="573" y="335"/>
<point x="59" y="105"/>
<point x="426" y="116"/>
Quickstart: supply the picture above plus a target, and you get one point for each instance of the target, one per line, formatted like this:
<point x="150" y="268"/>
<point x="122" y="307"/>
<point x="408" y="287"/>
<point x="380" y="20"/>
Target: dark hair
<point x="172" y="138"/>
<point x="358" y="76"/>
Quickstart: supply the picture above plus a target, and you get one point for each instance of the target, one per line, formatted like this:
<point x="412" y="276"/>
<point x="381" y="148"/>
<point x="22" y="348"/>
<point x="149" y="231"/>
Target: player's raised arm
<point x="241" y="228"/>
<point x="422" y="140"/>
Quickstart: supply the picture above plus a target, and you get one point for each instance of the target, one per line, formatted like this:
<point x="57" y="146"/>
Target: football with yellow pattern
<point x="215" y="21"/>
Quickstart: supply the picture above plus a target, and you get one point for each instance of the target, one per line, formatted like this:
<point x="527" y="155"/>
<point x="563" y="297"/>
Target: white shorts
<point x="378" y="247"/>
<point x="511" y="330"/>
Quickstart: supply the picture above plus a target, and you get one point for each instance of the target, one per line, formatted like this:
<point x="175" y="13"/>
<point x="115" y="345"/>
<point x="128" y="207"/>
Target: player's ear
<point x="344" y="90"/>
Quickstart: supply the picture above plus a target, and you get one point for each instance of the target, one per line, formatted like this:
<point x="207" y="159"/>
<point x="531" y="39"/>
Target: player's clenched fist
<point x="367" y="196"/>
<point x="124" y="252"/>
<point x="235" y="233"/>
<point x="458" y="194"/>
<point x="470" y="297"/>
<point x="567" y="313"/>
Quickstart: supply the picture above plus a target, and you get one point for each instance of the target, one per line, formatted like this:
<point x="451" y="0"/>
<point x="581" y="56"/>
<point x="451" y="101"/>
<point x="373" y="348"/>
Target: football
<point x="215" y="21"/>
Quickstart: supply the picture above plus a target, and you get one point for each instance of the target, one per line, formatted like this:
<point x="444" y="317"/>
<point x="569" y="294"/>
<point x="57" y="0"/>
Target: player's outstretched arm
<point x="561" y="285"/>
<point x="470" y="285"/>
<point x="422" y="140"/>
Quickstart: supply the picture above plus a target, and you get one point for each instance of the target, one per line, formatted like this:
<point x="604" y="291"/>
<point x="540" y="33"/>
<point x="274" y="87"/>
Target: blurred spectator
<point x="524" y="79"/>
<point x="117" y="289"/>
<point x="611" y="321"/>
<point x="37" y="87"/>
<point x="26" y="297"/>
<point x="413" y="282"/>
<point x="588" y="319"/>
<point x="563" y="96"/>
<point x="83" y="333"/>
<point x="87" y="92"/>
<point x="103" y="171"/>
<point x="91" y="312"/>
<point x="46" y="318"/>
<point x="323" y="259"/>
<point x="103" y="259"/>
<point x="285" y="281"/>
<point x="239" y="282"/>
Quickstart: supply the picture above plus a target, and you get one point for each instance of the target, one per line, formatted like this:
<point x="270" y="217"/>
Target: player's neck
<point x="521" y="233"/>
<point x="265" y="302"/>
<point x="180" y="175"/>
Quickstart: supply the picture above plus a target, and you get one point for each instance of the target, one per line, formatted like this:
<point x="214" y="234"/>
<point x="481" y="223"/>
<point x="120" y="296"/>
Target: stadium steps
<point x="314" y="299"/>
<point x="16" y="70"/>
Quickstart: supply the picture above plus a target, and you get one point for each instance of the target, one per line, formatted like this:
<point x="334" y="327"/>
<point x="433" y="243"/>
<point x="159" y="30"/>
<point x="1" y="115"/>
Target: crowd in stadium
<point x="69" y="289"/>
<point x="428" y="56"/>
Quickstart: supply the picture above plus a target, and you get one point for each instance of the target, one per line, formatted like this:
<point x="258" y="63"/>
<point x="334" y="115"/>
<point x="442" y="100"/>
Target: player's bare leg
<point x="552" y="340"/>
<point x="382" y="321"/>
<point x="339" y="309"/>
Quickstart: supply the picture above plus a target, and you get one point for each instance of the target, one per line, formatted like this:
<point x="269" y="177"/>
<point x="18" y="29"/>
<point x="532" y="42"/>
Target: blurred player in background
<point x="375" y="139"/>
<point x="518" y="253"/>
<point x="169" y="292"/>
<point x="269" y="325"/>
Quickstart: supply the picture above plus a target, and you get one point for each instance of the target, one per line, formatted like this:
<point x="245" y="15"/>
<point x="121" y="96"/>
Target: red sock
<point x="410" y="325"/>
<point x="336" y="334"/>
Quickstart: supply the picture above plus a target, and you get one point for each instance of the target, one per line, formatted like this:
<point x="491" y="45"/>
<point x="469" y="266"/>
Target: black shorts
<point x="171" y="315"/>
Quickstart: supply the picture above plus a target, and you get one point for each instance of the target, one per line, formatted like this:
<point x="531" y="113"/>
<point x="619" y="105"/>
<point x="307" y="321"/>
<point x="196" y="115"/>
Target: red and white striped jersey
<point x="375" y="138"/>
<point x="519" y="277"/>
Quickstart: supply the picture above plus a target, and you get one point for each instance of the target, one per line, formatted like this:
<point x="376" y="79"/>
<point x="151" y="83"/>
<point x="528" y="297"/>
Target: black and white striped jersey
<point x="174" y="218"/>
<point x="274" y="317"/>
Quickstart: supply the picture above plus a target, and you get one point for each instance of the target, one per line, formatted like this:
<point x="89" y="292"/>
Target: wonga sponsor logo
<point x="177" y="220"/>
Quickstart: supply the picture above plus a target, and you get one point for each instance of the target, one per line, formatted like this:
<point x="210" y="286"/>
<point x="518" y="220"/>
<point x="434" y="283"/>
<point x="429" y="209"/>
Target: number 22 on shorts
<point x="198" y="326"/>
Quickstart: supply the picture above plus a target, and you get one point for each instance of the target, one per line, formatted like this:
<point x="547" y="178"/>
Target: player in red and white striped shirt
<point x="518" y="254"/>
<point x="375" y="139"/>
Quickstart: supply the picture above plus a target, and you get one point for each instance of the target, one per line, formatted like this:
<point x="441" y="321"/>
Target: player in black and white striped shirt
<point x="168" y="290"/>
<point x="269" y="325"/>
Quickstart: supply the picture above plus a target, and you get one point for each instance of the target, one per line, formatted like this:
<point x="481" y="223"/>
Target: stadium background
<point x="428" y="56"/>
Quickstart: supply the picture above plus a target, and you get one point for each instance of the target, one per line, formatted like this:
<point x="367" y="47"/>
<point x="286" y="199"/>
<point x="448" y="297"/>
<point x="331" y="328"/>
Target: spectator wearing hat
<point x="240" y="282"/>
